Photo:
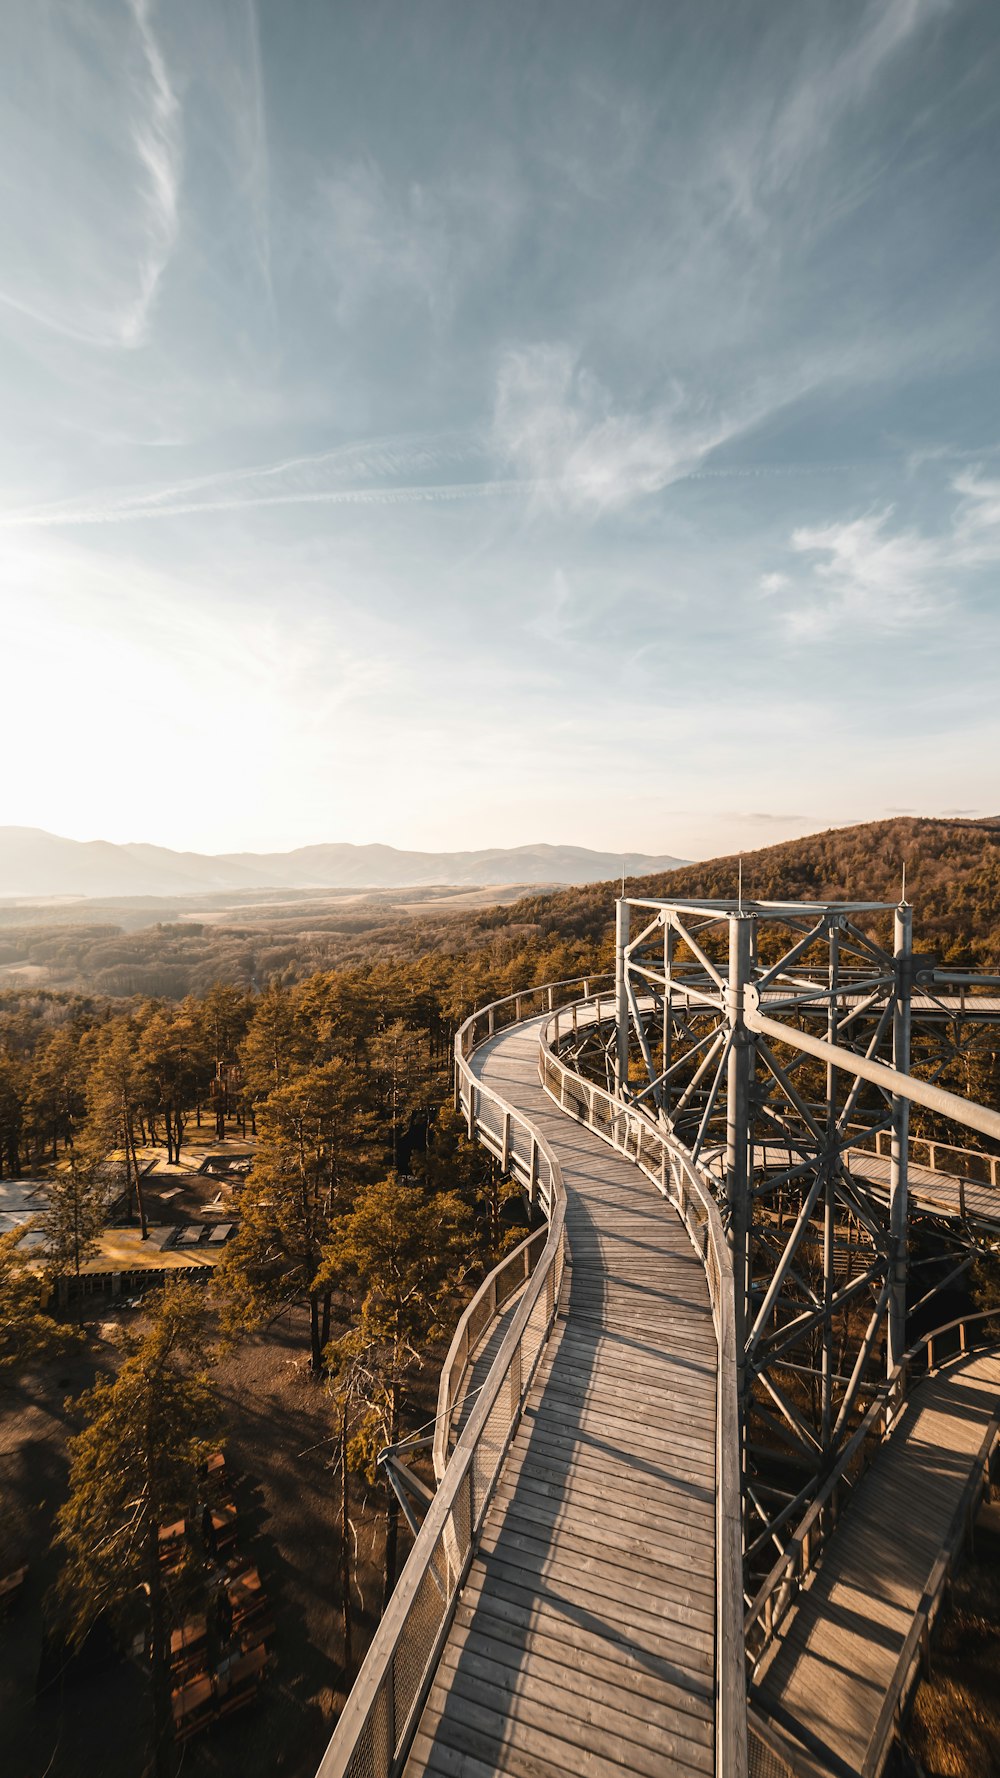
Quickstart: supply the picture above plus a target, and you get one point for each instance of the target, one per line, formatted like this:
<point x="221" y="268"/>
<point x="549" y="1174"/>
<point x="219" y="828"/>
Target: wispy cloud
<point x="156" y="136"/>
<point x="371" y="472"/>
<point x="428" y="241"/>
<point x="888" y="577"/>
<point x="93" y="220"/>
<point x="775" y="147"/>
<point x="557" y="426"/>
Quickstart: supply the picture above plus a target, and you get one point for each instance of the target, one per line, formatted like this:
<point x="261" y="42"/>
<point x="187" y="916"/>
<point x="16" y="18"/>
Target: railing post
<point x="516" y="1384"/>
<point x="505" y="1146"/>
<point x="390" y="1715"/>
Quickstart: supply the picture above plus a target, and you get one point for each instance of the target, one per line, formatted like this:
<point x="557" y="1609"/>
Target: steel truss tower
<point x="775" y="1041"/>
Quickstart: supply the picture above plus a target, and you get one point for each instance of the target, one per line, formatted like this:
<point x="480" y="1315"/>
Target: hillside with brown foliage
<point x="952" y="879"/>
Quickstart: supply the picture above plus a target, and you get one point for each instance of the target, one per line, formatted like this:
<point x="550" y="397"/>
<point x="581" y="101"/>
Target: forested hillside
<point x="326" y="1050"/>
<point x="952" y="880"/>
<point x="952" y="877"/>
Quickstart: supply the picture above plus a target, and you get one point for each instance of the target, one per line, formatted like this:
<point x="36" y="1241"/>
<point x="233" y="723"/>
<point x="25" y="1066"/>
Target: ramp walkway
<point x="842" y="1661"/>
<point x="584" y="1637"/>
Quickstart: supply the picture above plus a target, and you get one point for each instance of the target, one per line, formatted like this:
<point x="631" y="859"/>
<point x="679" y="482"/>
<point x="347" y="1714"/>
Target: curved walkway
<point x="583" y="1642"/>
<point x="835" y="1659"/>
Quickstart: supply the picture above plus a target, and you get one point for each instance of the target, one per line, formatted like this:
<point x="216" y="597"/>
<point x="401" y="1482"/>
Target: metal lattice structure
<point x="775" y="1042"/>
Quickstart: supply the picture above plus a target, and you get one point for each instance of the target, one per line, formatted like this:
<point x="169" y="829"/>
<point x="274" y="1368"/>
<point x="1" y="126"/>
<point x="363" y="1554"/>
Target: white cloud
<point x="365" y="474"/>
<point x="556" y="426"/>
<point x="91" y="221"/>
<point x="156" y="135"/>
<point x="977" y="529"/>
<point x="866" y="570"/>
<point x="779" y="144"/>
<point x="429" y="241"/>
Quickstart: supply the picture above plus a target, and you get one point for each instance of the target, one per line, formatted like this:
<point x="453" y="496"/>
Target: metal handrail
<point x="989" y="1163"/>
<point x="667" y="1163"/>
<point x="497" y="1288"/>
<point x="915" y="1650"/>
<point x="801" y="1554"/>
<point x="376" y="1726"/>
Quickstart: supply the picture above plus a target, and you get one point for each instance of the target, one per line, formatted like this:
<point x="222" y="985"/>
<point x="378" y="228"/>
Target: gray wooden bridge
<point x="597" y="1556"/>
<point x="840" y="1666"/>
<point x="573" y="1601"/>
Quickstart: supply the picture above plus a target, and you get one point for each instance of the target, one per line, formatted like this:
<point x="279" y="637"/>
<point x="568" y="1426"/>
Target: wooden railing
<point x="945" y="1157"/>
<point x="914" y="1655"/>
<point x="790" y="1572"/>
<point x="633" y="1134"/>
<point x="493" y="1294"/>
<point x="376" y="1726"/>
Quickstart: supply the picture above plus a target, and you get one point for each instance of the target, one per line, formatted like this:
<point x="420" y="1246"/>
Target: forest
<point x="952" y="875"/>
<point x="364" y="1222"/>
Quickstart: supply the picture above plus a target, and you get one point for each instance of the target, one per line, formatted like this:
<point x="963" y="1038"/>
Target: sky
<point x="470" y="423"/>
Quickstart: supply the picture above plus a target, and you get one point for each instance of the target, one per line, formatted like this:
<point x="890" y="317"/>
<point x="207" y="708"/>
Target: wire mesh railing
<point x="377" y="1724"/>
<point x="789" y="1574"/>
<point x="490" y="1300"/>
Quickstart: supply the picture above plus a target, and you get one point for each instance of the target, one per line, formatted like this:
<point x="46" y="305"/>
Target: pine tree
<point x="55" y="1103"/>
<point x="134" y="1467"/>
<point x="172" y="1055"/>
<point x="74" y="1219"/>
<point x="405" y="1252"/>
<point x="223" y="1016"/>
<point x="355" y="1390"/>
<point x="26" y="1331"/>
<point x="400" y="1063"/>
<point x="115" y="1088"/>
<point x="313" y="1153"/>
<point x="11" y="1116"/>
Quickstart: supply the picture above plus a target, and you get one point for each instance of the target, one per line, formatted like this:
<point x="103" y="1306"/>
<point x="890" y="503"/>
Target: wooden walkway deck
<point x="583" y="1642"/>
<point x="834" y="1659"/>
<point x="932" y="1190"/>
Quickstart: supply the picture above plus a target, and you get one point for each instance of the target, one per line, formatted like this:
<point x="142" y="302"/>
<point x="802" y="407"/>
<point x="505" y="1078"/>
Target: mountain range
<point x="35" y="864"/>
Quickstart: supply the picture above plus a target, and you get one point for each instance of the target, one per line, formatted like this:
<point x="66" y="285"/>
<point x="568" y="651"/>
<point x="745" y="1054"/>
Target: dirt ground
<point x="90" y="1718"/>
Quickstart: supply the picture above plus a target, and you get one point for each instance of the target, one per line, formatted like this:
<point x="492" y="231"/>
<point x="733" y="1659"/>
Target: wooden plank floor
<point x="836" y="1654"/>
<point x="583" y="1642"/>
<point x="932" y="1190"/>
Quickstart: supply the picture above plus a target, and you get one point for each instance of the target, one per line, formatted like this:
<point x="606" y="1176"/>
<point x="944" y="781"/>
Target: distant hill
<point x="952" y="880"/>
<point x="38" y="864"/>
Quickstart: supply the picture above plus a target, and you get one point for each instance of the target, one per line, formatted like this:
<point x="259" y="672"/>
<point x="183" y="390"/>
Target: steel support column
<point x="830" y="1198"/>
<point x="738" y="1136"/>
<point x="621" y="996"/>
<point x="898" y="1209"/>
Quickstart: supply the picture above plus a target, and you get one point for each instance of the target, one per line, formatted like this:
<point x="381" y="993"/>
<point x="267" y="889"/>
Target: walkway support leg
<point x="621" y="997"/>
<point x="829" y="1196"/>
<point x="738" y="1131"/>
<point x="898" y="1209"/>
